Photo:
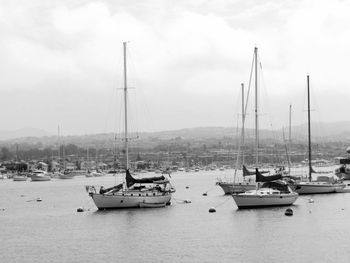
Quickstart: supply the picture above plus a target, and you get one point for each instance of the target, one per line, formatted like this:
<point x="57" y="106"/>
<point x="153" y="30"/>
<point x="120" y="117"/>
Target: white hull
<point x="251" y="201"/>
<point x="135" y="199"/>
<point x="318" y="188"/>
<point x="231" y="188"/>
<point x="39" y="178"/>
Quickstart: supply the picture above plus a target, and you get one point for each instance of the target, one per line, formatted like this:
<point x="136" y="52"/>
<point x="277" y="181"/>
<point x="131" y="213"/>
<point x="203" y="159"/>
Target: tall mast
<point x="289" y="136"/>
<point x="309" y="124"/>
<point x="290" y="124"/>
<point x="126" y="112"/>
<point x="243" y="120"/>
<point x="256" y="108"/>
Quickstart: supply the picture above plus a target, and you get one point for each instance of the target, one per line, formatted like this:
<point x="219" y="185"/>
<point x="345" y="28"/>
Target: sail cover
<point x="344" y="161"/>
<point x="131" y="180"/>
<point x="246" y="172"/>
<point x="261" y="178"/>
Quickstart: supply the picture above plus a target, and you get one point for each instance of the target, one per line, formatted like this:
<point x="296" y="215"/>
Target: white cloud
<point x="183" y="57"/>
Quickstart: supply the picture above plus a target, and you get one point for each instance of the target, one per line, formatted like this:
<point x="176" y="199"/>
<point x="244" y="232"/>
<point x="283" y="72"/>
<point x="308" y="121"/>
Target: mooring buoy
<point x="212" y="210"/>
<point x="288" y="212"/>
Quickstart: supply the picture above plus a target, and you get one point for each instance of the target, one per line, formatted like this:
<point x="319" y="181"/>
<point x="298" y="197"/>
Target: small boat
<point x="20" y="177"/>
<point x="274" y="193"/>
<point x="65" y="175"/>
<point x="39" y="175"/>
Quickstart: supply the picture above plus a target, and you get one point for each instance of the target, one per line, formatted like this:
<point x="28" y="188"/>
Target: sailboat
<point x="230" y="187"/>
<point x="323" y="184"/>
<point x="234" y="187"/>
<point x="133" y="192"/>
<point x="272" y="191"/>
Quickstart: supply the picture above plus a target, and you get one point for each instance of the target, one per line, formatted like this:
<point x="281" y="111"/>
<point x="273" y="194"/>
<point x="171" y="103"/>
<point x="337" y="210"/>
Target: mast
<point x="256" y="109"/>
<point x="309" y="124"/>
<point x="243" y="120"/>
<point x="126" y="112"/>
<point x="290" y="124"/>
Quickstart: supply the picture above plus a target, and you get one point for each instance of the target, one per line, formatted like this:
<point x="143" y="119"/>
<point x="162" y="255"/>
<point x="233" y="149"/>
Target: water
<point x="52" y="230"/>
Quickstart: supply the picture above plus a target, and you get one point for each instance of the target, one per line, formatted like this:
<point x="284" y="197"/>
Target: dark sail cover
<point x="344" y="161"/>
<point x="260" y="178"/>
<point x="246" y="172"/>
<point x="131" y="180"/>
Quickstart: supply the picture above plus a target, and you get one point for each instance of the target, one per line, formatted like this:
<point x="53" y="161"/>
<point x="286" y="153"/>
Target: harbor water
<point x="53" y="231"/>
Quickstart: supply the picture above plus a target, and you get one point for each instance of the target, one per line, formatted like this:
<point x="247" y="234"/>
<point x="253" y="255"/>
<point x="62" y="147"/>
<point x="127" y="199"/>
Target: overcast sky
<point x="61" y="62"/>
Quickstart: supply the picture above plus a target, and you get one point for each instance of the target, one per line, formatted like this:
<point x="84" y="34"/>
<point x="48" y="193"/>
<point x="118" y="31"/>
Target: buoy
<point x="311" y="200"/>
<point x="212" y="210"/>
<point x="187" y="201"/>
<point x="80" y="209"/>
<point x="205" y="194"/>
<point x="187" y="187"/>
<point x="38" y="199"/>
<point x="288" y="212"/>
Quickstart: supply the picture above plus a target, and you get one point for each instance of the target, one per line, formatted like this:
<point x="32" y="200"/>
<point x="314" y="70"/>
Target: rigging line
<point x="223" y="202"/>
<point x="249" y="86"/>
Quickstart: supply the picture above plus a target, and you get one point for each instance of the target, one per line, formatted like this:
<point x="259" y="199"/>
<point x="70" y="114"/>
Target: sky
<point x="62" y="62"/>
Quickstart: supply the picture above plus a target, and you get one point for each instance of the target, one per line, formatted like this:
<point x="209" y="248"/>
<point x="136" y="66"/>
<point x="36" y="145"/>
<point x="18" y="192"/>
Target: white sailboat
<point x="323" y="184"/>
<point x="232" y="187"/>
<point x="145" y="192"/>
<point x="272" y="192"/>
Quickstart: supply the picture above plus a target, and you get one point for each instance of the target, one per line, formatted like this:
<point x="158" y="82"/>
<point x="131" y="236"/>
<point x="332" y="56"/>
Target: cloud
<point x="62" y="60"/>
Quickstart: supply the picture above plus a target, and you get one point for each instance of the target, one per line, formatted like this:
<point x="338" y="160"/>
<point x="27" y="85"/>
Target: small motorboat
<point x="39" y="176"/>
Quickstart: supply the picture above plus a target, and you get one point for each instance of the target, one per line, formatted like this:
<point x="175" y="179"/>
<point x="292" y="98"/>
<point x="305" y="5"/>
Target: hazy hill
<point x="24" y="132"/>
<point x="337" y="132"/>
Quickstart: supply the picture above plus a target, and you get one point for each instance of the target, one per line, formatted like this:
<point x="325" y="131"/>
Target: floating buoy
<point x="212" y="210"/>
<point x="187" y="187"/>
<point x="80" y="209"/>
<point x="205" y="194"/>
<point x="288" y="212"/>
<point x="311" y="200"/>
<point x="187" y="201"/>
<point x="38" y="199"/>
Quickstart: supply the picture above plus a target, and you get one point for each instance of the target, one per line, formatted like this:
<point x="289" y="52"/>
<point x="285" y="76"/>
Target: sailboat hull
<point x="231" y="188"/>
<point x="256" y="201"/>
<point x="134" y="200"/>
<point x="318" y="188"/>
